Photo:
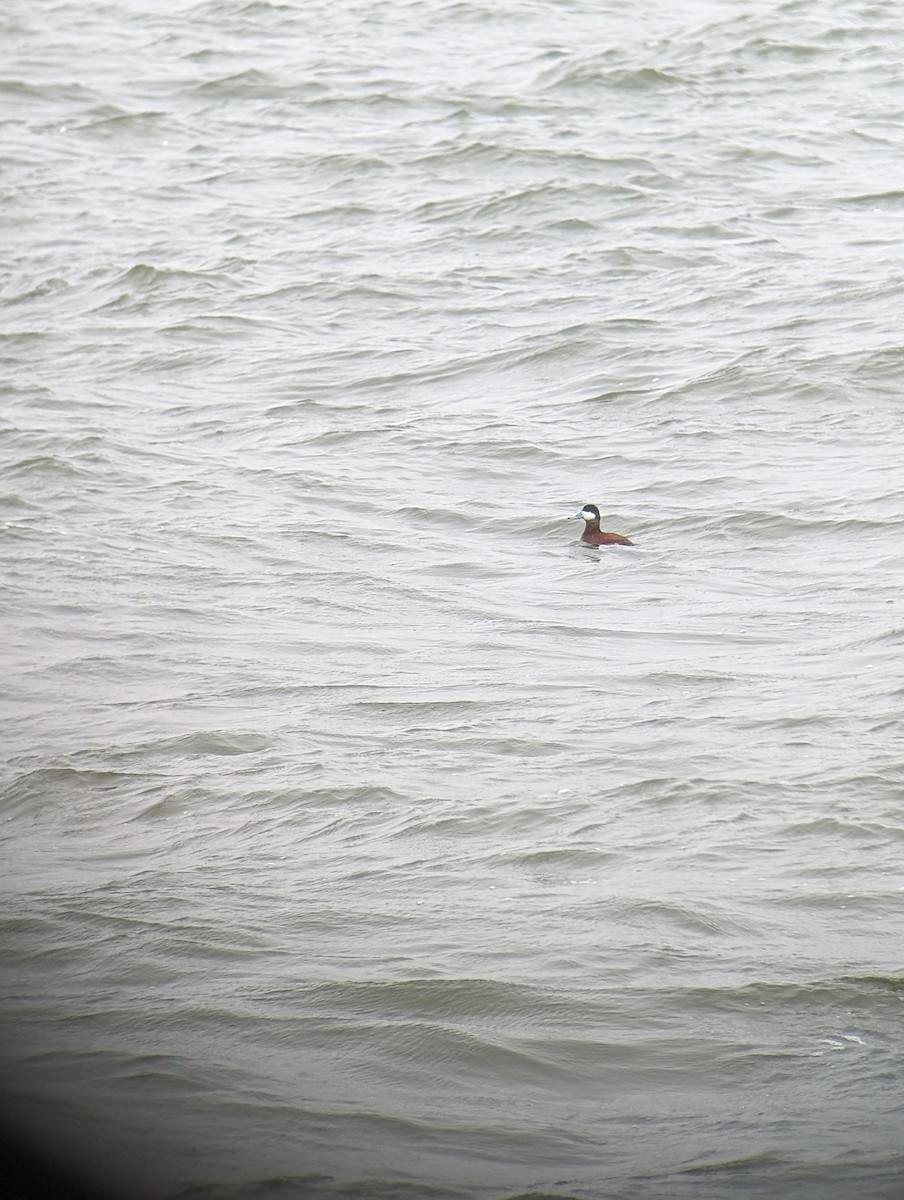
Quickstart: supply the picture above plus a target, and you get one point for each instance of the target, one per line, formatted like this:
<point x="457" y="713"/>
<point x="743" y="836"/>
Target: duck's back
<point x="599" y="537"/>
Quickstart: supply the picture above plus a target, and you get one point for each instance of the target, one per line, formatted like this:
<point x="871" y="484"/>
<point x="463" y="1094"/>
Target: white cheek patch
<point x="588" y="516"/>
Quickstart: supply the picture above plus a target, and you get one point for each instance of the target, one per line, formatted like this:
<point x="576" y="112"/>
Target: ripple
<point x="365" y="834"/>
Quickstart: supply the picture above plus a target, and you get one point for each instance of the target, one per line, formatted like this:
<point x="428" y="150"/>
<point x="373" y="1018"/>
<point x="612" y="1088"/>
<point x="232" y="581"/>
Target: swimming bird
<point x="593" y="535"/>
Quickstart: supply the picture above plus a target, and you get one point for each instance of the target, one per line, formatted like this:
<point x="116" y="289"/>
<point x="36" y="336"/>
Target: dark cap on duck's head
<point x="589" y="512"/>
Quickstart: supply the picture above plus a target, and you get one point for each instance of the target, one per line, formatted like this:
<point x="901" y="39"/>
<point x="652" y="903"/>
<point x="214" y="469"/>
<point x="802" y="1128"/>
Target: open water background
<point x="363" y="834"/>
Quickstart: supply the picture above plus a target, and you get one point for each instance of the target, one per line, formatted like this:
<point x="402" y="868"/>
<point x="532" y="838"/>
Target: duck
<point x="593" y="535"/>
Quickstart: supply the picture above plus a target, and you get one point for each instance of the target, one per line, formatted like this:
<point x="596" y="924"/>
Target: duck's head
<point x="588" y="513"/>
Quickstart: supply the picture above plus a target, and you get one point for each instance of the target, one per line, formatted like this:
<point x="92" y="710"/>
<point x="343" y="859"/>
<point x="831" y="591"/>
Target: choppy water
<point x="363" y="833"/>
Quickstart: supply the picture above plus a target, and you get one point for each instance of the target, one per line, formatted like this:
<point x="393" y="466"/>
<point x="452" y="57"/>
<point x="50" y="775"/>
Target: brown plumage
<point x="593" y="535"/>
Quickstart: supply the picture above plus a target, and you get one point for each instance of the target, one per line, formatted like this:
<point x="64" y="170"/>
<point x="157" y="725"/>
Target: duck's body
<point x="593" y="535"/>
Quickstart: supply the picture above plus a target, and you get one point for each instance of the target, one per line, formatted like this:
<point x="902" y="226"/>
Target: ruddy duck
<point x="593" y="535"/>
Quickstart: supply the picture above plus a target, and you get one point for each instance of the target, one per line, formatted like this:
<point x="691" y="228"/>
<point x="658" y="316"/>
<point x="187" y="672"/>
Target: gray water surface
<point x="364" y="834"/>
